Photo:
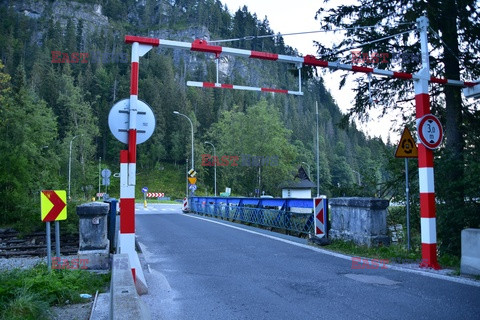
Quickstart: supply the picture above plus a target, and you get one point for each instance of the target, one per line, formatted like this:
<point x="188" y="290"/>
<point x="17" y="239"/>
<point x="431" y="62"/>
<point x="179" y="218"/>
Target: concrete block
<point x="96" y="259"/>
<point x="93" y="226"/>
<point x="361" y="220"/>
<point x="125" y="302"/>
<point x="470" y="262"/>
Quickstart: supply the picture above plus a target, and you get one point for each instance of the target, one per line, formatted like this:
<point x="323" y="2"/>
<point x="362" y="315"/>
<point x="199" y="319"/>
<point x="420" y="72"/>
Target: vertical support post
<point x="128" y="159"/>
<point x="99" y="174"/>
<point x="186" y="175"/>
<point x="425" y="158"/>
<point x="318" y="146"/>
<point x="217" y="57"/>
<point x="57" y="239"/>
<point x="215" y="172"/>
<point x="299" y="68"/>
<point x="49" y="247"/>
<point x="407" y="193"/>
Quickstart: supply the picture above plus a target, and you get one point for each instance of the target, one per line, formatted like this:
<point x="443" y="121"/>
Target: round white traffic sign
<point x="118" y="121"/>
<point x="430" y="131"/>
<point x="106" y="173"/>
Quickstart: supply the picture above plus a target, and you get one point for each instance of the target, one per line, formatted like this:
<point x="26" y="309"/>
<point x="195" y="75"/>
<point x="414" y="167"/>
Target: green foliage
<point x="48" y="104"/>
<point x="27" y="294"/>
<point x="257" y="132"/>
<point x="25" y="305"/>
<point x="28" y="162"/>
<point x="392" y="252"/>
<point x="453" y="30"/>
<point x="164" y="177"/>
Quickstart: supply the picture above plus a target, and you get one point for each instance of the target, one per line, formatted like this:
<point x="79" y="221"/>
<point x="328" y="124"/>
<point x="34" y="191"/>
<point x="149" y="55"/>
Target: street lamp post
<point x="70" y="166"/>
<point x="214" y="166"/>
<point x="186" y="178"/>
<point x="191" y="124"/>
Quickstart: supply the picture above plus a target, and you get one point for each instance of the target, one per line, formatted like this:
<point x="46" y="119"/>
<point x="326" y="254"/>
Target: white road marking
<point x="342" y="256"/>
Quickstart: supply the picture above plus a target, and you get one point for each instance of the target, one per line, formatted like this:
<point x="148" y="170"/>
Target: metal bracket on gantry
<point x="203" y="46"/>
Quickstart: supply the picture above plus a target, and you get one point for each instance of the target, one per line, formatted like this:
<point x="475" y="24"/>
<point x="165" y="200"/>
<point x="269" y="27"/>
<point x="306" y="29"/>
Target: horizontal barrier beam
<point x="237" y="87"/>
<point x="309" y="60"/>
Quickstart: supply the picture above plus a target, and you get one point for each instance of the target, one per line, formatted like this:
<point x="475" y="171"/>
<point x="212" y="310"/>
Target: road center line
<point x="342" y="256"/>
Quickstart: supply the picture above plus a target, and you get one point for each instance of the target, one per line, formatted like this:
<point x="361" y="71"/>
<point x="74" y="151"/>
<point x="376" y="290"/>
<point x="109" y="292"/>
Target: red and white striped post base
<point x="428" y="223"/>
<point x="127" y="177"/>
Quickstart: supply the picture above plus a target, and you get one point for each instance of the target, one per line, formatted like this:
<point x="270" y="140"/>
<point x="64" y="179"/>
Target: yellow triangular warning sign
<point x="406" y="147"/>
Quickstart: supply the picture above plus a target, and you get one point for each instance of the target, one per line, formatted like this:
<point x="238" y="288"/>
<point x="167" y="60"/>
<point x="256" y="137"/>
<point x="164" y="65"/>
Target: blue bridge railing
<point x="294" y="215"/>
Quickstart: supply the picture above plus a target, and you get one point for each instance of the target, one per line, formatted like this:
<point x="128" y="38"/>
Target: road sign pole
<point x="57" y="239"/>
<point x="49" y="247"/>
<point x="407" y="190"/>
<point x="428" y="220"/>
<point x="186" y="174"/>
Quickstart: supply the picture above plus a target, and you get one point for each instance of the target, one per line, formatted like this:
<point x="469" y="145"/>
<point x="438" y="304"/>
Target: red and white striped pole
<point x="428" y="222"/>
<point x="128" y="159"/>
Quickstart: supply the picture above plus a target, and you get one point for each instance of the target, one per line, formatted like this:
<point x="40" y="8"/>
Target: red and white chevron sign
<point x="320" y="206"/>
<point x="155" y="195"/>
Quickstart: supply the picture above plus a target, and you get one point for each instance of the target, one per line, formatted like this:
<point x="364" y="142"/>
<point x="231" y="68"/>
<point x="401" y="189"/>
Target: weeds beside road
<point x="29" y="294"/>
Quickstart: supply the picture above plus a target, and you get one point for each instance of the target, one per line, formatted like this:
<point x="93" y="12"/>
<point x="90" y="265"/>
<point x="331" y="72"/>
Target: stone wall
<point x="361" y="220"/>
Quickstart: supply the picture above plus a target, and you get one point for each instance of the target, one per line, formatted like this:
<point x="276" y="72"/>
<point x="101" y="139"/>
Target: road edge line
<point x="343" y="256"/>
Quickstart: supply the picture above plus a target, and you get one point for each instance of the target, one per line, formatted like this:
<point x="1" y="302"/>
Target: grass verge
<point x="394" y="253"/>
<point x="29" y="294"/>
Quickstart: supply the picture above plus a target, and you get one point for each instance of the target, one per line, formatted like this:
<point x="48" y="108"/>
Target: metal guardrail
<point x="294" y="215"/>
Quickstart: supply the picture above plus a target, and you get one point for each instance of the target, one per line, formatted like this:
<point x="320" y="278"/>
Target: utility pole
<point x="318" y="146"/>
<point x="99" y="172"/>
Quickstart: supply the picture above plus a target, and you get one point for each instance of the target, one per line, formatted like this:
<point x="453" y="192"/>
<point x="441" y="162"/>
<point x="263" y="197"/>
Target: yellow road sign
<point x="53" y="205"/>
<point x="192" y="173"/>
<point x="406" y="147"/>
<point x="192" y="180"/>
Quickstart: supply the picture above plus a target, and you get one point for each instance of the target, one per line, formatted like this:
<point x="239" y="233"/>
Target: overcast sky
<point x="287" y="16"/>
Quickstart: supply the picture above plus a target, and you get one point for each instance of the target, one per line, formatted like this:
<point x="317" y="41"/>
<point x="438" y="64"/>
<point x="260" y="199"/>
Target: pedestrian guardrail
<point x="293" y="215"/>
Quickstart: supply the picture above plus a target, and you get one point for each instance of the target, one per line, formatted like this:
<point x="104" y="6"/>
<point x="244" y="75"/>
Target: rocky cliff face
<point x="95" y="20"/>
<point x="61" y="11"/>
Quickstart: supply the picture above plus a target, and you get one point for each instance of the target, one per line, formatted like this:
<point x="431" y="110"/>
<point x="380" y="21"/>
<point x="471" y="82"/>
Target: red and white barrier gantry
<point x="141" y="45"/>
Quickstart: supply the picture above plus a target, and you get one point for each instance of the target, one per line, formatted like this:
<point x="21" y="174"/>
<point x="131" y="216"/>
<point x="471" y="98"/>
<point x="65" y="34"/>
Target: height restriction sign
<point x="430" y="131"/>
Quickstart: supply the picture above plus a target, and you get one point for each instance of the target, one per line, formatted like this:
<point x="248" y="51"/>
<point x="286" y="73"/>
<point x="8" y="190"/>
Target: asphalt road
<point x="201" y="269"/>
